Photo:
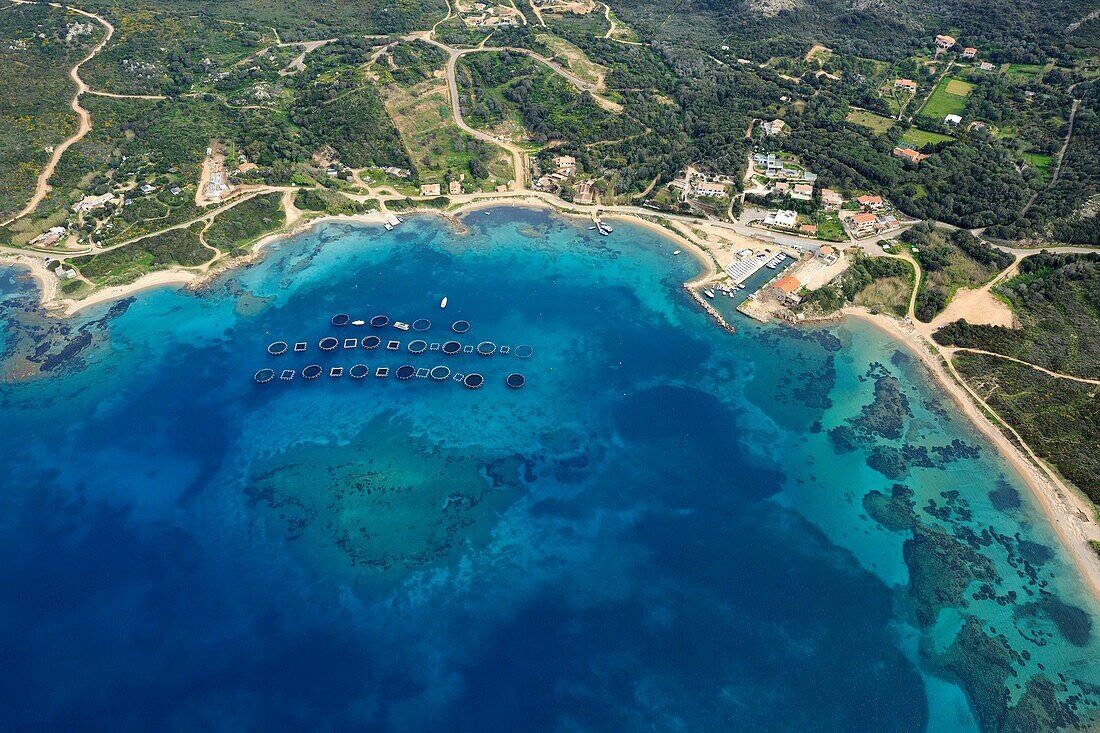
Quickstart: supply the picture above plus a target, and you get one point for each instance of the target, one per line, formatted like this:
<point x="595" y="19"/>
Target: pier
<point x="710" y="309"/>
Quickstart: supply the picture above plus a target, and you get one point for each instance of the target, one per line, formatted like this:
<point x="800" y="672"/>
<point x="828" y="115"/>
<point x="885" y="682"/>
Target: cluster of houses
<point x="788" y="287"/>
<point x="945" y="42"/>
<point x="396" y="172"/>
<point x="773" y="167"/>
<point x="486" y="16"/>
<point x="454" y="188"/>
<point x="871" y="218"/>
<point x="565" y="168"/>
<point x="701" y="185"/>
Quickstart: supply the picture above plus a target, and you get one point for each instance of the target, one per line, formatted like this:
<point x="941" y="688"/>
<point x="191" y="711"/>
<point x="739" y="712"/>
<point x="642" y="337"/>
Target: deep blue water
<point x="668" y="528"/>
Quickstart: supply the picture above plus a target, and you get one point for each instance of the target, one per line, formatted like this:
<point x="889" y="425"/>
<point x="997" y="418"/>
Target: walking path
<point x="1061" y="155"/>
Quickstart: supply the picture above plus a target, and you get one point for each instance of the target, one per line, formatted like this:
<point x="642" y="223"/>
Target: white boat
<point x="591" y="228"/>
<point x="443" y="303"/>
<point x="389" y="227"/>
<point x="401" y="325"/>
<point x="358" y="323"/>
<point x="676" y="252"/>
<point x="709" y="293"/>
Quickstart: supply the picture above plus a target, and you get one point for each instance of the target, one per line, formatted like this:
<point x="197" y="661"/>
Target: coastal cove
<point x="778" y="528"/>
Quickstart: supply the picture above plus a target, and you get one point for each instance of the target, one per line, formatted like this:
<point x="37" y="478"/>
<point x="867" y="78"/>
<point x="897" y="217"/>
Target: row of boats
<point x="741" y="270"/>
<point x="727" y="290"/>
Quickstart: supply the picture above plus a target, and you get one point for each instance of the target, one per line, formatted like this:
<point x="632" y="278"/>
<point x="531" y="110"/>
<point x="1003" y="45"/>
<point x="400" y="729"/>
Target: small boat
<point x="359" y="323"/>
<point x="676" y="252"/>
<point x="591" y="228"/>
<point x="443" y="303"/>
<point x="401" y="325"/>
<point x="709" y="293"/>
<point x="389" y="227"/>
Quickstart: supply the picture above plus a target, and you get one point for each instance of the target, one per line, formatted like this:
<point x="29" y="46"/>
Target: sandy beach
<point x="1069" y="512"/>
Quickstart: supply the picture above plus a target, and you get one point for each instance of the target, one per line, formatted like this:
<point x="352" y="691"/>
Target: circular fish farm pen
<point x="277" y="347"/>
<point x="264" y="376"/>
<point x="473" y="381"/>
<point x="341" y="319"/>
<point x="359" y="371"/>
<point x="451" y="348"/>
<point x="419" y="346"/>
<point x="380" y="321"/>
<point x="312" y="371"/>
<point x="460" y="326"/>
<point x="486" y="348"/>
<point x="421" y="325"/>
<point x="523" y="352"/>
<point x="438" y="373"/>
<point x="370" y="342"/>
<point x="405" y="372"/>
<point x="329" y="343"/>
<point x="515" y="380"/>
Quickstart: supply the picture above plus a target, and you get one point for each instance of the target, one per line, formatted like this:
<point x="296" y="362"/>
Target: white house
<point x="952" y="120"/>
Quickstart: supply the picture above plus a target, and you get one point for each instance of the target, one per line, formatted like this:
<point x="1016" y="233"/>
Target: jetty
<point x="710" y="309"/>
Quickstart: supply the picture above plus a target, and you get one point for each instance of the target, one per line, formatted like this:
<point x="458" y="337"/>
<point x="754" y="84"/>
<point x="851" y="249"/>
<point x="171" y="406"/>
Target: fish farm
<point x="332" y="347"/>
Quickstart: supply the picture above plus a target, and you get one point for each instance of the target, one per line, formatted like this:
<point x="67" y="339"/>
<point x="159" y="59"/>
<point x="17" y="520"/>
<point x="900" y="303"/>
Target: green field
<point x="917" y="138"/>
<point x="948" y="98"/>
<point x="875" y="123"/>
<point x="1041" y="162"/>
<point x="1026" y="69"/>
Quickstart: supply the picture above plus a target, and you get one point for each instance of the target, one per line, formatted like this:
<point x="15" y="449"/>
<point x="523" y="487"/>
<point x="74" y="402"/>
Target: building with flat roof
<point x="430" y="189"/>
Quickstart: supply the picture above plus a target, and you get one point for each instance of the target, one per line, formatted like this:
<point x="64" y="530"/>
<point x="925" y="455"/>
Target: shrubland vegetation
<point x="1057" y="300"/>
<point x="882" y="284"/>
<point x="38" y="44"/>
<point x="949" y="261"/>
<point x="1058" y="418"/>
<point x="237" y="228"/>
<point x="127" y="263"/>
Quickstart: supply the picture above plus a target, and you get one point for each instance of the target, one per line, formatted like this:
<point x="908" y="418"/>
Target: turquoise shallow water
<point x="668" y="528"/>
